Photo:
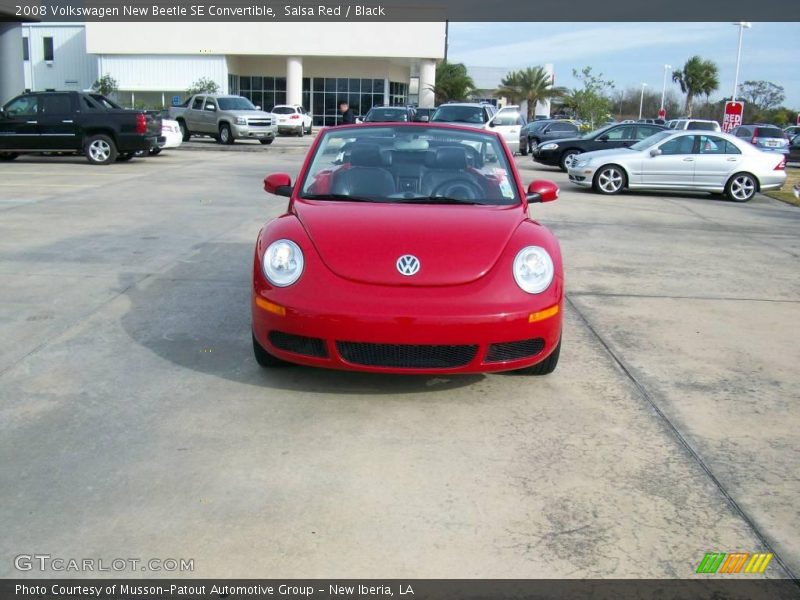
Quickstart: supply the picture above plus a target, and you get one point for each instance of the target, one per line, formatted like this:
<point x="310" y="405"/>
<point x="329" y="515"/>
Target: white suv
<point x="293" y="118"/>
<point x="696" y="124"/>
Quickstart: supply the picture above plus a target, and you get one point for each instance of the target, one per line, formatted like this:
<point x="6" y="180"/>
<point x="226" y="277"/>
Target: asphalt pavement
<point x="134" y="421"/>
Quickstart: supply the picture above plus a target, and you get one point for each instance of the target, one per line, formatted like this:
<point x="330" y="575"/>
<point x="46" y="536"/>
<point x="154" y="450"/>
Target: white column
<point x="386" y="91"/>
<point x="427" y="78"/>
<point x="294" y="80"/>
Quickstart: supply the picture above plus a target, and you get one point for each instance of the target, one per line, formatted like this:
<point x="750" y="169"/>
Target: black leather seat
<point x="443" y="165"/>
<point x="367" y="175"/>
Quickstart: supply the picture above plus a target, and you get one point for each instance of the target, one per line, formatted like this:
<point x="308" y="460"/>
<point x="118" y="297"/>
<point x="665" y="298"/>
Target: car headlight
<point x="548" y="147"/>
<point x="241" y="120"/>
<point x="282" y="263"/>
<point x="533" y="269"/>
<point x="582" y="162"/>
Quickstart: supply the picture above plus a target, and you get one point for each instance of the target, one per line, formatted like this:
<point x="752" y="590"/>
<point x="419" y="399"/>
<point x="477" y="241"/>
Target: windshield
<point x="410" y="164"/>
<point x="377" y="115"/>
<point x="235" y="104"/>
<point x="458" y="114"/>
<point x="284" y="110"/>
<point x="651" y="141"/>
<point x="769" y="132"/>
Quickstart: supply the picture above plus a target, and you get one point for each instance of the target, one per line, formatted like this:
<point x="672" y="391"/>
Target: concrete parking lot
<point x="135" y="423"/>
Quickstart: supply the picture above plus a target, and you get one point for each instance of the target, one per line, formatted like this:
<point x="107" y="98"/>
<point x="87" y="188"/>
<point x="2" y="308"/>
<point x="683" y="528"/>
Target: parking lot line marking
<point x="55" y="185"/>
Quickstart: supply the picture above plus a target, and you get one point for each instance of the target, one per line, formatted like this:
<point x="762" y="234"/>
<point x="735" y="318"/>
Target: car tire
<point x="100" y="149"/>
<point x="302" y="131"/>
<point x="264" y="358"/>
<point x="126" y="156"/>
<point x="225" y="135"/>
<point x="547" y="366"/>
<point x="523" y="149"/>
<point x="185" y="134"/>
<point x="8" y="156"/>
<point x="741" y="187"/>
<point x="155" y="151"/>
<point x="310" y="128"/>
<point x="567" y="158"/>
<point x="609" y="180"/>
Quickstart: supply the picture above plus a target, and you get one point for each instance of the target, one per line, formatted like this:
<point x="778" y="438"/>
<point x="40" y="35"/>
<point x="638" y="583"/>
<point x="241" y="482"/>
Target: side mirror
<point x="602" y="138"/>
<point x="655" y="151"/>
<point x="210" y="107"/>
<point x="542" y="190"/>
<point x="279" y="184"/>
<point x="492" y="123"/>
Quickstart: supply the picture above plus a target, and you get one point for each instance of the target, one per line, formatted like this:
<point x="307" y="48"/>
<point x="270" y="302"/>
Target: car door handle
<point x="32" y="122"/>
<point x="67" y="121"/>
<point x="732" y="159"/>
<point x="688" y="159"/>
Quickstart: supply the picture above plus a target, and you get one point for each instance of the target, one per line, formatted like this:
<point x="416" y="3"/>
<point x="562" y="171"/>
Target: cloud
<point x="580" y="44"/>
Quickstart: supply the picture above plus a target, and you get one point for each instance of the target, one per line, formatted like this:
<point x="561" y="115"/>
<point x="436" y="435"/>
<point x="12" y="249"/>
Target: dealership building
<point x="154" y="63"/>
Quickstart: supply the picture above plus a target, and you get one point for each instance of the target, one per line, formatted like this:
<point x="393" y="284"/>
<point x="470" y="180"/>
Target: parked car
<point x="389" y="114"/>
<point x="682" y="160"/>
<point x="694" y="125"/>
<point x="794" y="149"/>
<point x="764" y="137"/>
<point x="562" y="152"/>
<point x="423" y="115"/>
<point x="75" y="123"/>
<point x="224" y="118"/>
<point x="470" y="114"/>
<point x="792" y="131"/>
<point x="537" y="132"/>
<point x="171" y="136"/>
<point x="293" y="118"/>
<point x="509" y="123"/>
<point x="366" y="268"/>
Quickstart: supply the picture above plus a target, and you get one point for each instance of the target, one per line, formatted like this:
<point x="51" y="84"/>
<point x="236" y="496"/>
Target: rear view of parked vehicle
<point x="389" y="114"/>
<point x="293" y="118"/>
<point x="75" y="123"/>
<point x="763" y="137"/>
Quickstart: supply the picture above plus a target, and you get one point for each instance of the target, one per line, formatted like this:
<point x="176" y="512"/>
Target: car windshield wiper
<point x="346" y="197"/>
<point x="438" y="200"/>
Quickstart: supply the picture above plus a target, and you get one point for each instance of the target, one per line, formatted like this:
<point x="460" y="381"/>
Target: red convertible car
<point x="407" y="248"/>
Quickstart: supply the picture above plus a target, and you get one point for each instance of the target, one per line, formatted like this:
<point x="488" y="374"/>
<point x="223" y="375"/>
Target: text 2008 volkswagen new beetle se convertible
<point x="407" y="248"/>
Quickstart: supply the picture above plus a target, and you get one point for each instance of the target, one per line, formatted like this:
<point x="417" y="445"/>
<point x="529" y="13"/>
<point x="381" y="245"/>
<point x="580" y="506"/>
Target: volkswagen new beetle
<point x="407" y="248"/>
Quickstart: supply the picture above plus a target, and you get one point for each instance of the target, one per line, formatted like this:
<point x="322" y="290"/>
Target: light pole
<point x="664" y="87"/>
<point x="641" y="100"/>
<point x="742" y="25"/>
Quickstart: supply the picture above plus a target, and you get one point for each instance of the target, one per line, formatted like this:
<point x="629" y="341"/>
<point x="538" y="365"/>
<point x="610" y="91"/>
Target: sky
<point x="634" y="53"/>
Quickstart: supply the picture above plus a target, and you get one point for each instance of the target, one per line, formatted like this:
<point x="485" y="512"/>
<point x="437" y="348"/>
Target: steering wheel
<point x="460" y="188"/>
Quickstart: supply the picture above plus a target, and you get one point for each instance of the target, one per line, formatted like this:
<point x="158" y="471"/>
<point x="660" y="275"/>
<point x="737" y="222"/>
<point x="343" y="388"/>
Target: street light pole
<point x="641" y="100"/>
<point x="664" y="87"/>
<point x="742" y="26"/>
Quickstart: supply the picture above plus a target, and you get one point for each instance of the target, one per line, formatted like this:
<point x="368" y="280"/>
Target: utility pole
<point x="446" y="37"/>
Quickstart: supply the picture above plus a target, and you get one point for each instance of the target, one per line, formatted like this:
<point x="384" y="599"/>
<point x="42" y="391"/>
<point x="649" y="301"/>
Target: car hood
<point x="609" y="152"/>
<point x="363" y="242"/>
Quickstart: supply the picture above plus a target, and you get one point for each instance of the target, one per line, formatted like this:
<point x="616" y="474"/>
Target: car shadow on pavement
<point x="197" y="316"/>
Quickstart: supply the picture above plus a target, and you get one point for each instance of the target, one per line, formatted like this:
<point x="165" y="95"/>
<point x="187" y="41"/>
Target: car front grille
<point x="259" y="122"/>
<point x="406" y="356"/>
<point x="299" y="344"/>
<point x="514" y="350"/>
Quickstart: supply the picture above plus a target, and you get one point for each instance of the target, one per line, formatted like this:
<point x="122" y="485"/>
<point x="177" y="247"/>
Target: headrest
<point x="368" y="155"/>
<point x="448" y="157"/>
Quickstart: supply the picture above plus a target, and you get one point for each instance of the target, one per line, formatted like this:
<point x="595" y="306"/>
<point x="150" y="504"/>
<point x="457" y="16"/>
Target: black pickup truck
<point x="75" y="123"/>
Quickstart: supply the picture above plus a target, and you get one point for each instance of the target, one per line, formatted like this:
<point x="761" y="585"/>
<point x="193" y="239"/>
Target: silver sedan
<point x="682" y="160"/>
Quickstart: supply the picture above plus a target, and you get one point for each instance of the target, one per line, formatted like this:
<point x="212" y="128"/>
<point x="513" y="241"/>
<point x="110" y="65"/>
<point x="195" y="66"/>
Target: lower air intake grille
<point x="299" y="344"/>
<point x="406" y="356"/>
<point x="514" y="350"/>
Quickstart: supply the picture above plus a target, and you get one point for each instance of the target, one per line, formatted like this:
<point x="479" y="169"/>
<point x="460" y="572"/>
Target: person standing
<point x="348" y="118"/>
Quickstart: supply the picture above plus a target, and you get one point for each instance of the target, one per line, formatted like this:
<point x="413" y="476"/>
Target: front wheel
<point x="547" y="366"/>
<point x="568" y="159"/>
<point x="264" y="358"/>
<point x="225" y="135"/>
<point x="185" y="134"/>
<point x="609" y="180"/>
<point x="8" y="156"/>
<point x="523" y="148"/>
<point x="100" y="150"/>
<point x="266" y="142"/>
<point x="741" y="187"/>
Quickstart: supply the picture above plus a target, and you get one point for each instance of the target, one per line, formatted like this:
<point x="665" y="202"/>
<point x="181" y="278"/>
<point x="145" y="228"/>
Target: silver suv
<point x="225" y="118"/>
<point x="469" y="114"/>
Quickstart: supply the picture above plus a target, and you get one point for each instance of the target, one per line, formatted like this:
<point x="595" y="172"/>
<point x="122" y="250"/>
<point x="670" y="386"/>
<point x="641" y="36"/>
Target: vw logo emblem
<point x="408" y="264"/>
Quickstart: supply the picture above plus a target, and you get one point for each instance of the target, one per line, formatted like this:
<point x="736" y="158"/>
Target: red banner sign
<point x="662" y="114"/>
<point x="733" y="115"/>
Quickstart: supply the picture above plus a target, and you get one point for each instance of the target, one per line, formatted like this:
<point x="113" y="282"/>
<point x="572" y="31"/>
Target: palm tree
<point x="452" y="82"/>
<point x="533" y="84"/>
<point x="698" y="76"/>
